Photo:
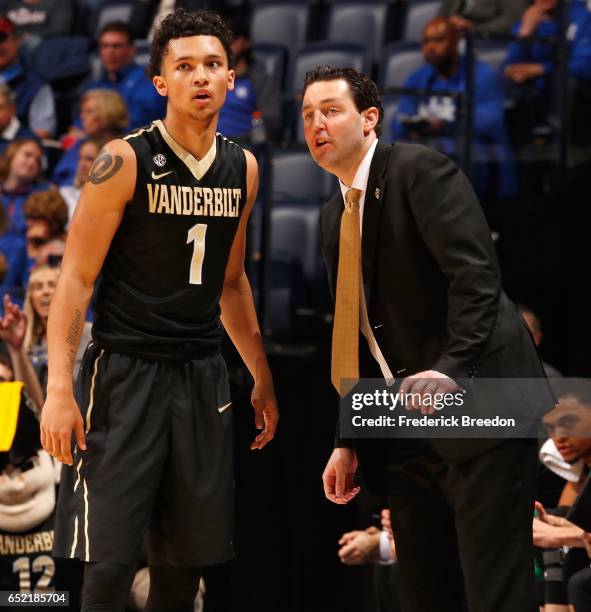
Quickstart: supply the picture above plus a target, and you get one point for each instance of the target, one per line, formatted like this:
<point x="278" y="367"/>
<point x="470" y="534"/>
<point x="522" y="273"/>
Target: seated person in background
<point x="10" y="126"/>
<point x="35" y="104"/>
<point x="437" y="117"/>
<point x="120" y="73"/>
<point x="483" y="16"/>
<point x="529" y="66"/>
<point x="532" y="61"/>
<point x="41" y="18"/>
<point x="87" y="153"/>
<point x="12" y="333"/>
<point x="104" y="116"/>
<point x="253" y="91"/>
<point x="569" y="427"/>
<point x="46" y="214"/>
<point x="28" y="478"/>
<point x="20" y="176"/>
<point x="42" y="283"/>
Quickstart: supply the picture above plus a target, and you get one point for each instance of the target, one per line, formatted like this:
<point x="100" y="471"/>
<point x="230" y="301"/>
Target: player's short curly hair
<point x="48" y="206"/>
<point x="182" y="23"/>
<point x="364" y="91"/>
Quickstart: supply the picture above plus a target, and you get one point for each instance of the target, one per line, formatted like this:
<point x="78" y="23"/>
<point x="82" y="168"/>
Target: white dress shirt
<point x="360" y="182"/>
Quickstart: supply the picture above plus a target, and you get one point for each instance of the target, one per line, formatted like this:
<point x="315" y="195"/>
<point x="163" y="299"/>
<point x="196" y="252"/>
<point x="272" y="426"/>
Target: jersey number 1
<point x="197" y="235"/>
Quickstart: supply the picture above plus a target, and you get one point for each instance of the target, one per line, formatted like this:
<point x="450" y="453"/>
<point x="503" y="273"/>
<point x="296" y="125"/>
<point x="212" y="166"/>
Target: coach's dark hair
<point x="364" y="91"/>
<point x="182" y="23"/>
<point x="120" y="27"/>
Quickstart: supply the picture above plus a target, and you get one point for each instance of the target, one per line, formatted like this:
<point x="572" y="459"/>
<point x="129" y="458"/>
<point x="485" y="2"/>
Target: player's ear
<point x="160" y="85"/>
<point x="231" y="77"/>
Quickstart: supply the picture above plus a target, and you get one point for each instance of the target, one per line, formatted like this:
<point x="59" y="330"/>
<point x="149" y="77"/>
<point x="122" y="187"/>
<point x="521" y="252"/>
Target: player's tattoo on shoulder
<point x="105" y="166"/>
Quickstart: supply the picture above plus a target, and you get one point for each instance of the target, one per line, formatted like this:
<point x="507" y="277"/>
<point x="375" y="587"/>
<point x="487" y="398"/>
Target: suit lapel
<point x="372" y="211"/>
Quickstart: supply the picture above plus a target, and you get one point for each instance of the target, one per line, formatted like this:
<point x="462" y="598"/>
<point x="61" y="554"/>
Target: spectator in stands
<point x="20" y="176"/>
<point x="527" y="68"/>
<point x="35" y="104"/>
<point x="437" y="117"/>
<point x="532" y="62"/>
<point x="87" y="153"/>
<point x="13" y="325"/>
<point x="535" y="327"/>
<point x="42" y="284"/>
<point x="104" y="116"/>
<point x="483" y="16"/>
<point x="122" y="74"/>
<point x="41" y="18"/>
<point x="13" y="250"/>
<point x="253" y="91"/>
<point x="46" y="214"/>
<point x="10" y="126"/>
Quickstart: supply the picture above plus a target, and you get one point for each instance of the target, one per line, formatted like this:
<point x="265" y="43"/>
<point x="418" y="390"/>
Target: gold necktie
<point x="345" y="333"/>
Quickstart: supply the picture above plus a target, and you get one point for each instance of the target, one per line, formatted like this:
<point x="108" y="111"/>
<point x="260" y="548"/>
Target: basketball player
<point x="163" y="215"/>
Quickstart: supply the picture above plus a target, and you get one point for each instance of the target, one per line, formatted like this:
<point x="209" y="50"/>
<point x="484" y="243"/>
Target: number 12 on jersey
<point x="196" y="235"/>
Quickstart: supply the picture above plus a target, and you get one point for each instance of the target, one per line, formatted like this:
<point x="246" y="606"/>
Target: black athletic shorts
<point x="158" y="466"/>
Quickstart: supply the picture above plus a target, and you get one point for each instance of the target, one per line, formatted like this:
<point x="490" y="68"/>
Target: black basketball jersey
<point x="163" y="275"/>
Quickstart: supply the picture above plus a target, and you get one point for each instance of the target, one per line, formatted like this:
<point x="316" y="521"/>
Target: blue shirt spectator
<point x="121" y="73"/>
<point x="537" y="55"/>
<point x="437" y="116"/>
<point x="35" y="104"/>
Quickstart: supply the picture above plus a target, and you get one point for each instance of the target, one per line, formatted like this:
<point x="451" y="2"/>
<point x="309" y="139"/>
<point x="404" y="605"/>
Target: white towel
<point x="552" y="459"/>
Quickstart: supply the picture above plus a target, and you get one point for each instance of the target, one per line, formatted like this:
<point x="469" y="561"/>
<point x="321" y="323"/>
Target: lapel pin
<point x="377" y="193"/>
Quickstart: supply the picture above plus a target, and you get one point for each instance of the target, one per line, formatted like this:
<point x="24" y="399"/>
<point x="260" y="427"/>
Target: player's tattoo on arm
<point x="72" y="339"/>
<point x="104" y="167"/>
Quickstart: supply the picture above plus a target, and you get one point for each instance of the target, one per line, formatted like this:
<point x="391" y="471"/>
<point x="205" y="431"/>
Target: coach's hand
<point x="59" y="417"/>
<point x="266" y="413"/>
<point x="338" y="477"/>
<point x="426" y="385"/>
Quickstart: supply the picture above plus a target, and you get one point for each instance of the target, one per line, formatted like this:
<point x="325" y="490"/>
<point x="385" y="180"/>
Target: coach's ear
<point x="371" y="117"/>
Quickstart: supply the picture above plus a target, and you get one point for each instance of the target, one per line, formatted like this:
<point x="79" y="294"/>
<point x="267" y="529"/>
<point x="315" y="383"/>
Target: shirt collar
<point x="362" y="175"/>
<point x="11" y="129"/>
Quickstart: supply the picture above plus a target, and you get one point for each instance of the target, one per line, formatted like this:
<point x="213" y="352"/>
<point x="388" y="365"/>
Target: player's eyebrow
<point x="184" y="58"/>
<point x="325" y="101"/>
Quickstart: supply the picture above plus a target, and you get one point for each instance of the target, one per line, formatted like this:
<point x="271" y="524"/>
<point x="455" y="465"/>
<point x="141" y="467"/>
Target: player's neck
<point x="195" y="136"/>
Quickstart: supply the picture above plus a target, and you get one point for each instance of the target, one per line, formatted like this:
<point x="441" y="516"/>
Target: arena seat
<point x="113" y="12"/>
<point x="398" y="61"/>
<point x="418" y="14"/>
<point x="295" y="176"/>
<point x="362" y="23"/>
<point x="279" y="23"/>
<point x="273" y="58"/>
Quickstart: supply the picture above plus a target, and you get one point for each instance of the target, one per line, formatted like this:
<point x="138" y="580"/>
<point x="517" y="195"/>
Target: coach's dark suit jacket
<point x="432" y="288"/>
